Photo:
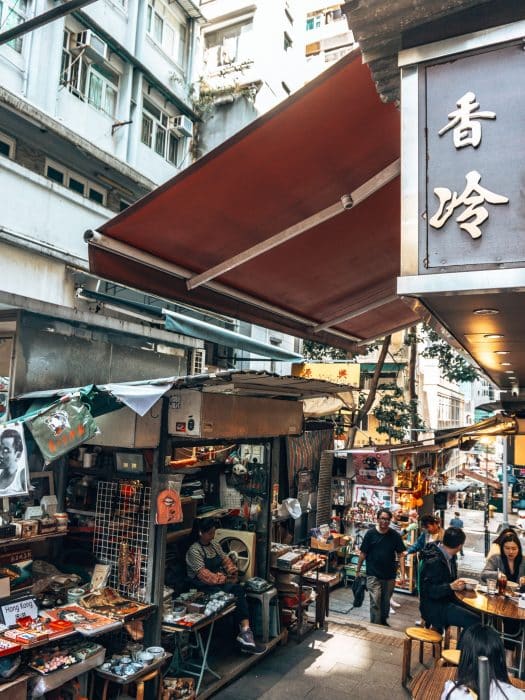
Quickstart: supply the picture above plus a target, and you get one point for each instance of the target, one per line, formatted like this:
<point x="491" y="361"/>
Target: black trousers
<point x="451" y="614"/>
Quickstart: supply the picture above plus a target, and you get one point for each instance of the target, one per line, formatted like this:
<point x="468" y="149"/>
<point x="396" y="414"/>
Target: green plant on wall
<point x="396" y="416"/>
<point x="452" y="365"/>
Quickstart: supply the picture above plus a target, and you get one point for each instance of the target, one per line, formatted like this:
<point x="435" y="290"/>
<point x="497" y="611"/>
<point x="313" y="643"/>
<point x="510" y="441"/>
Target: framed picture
<point x="373" y="496"/>
<point x="14" y="471"/>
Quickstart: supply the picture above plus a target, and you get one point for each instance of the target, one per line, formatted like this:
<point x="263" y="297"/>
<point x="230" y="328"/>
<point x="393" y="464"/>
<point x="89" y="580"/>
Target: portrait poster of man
<point x="14" y="471"/>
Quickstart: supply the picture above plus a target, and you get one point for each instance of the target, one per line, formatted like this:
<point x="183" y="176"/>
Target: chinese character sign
<point x="473" y="163"/>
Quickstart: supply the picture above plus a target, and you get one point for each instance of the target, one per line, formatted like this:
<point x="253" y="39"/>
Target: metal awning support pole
<point x="505" y="485"/>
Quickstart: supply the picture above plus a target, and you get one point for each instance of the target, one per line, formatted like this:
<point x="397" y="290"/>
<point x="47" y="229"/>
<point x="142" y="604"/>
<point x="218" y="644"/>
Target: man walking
<point x="380" y="546"/>
<point x="456" y="521"/>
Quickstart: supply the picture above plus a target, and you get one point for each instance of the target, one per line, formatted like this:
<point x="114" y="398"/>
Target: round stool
<point x="450" y="657"/>
<point x="419" y="635"/>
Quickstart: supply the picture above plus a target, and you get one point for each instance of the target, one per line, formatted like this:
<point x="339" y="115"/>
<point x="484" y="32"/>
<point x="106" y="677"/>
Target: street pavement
<point x="352" y="657"/>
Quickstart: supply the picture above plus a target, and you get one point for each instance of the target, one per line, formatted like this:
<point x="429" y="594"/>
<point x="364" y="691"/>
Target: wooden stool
<point x="419" y="635"/>
<point x="449" y="657"/>
<point x="448" y="636"/>
<point x="154" y="675"/>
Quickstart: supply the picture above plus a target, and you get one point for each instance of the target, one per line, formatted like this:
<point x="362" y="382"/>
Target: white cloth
<point x="461" y="693"/>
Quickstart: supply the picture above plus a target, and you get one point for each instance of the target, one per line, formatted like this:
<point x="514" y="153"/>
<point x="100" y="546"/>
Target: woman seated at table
<point x="211" y="570"/>
<point x="481" y="640"/>
<point x="509" y="560"/>
<point x="495" y="546"/>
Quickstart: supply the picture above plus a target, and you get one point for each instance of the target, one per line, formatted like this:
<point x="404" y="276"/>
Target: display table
<point x="502" y="607"/>
<point x="199" y="668"/>
<point x="40" y="685"/>
<point x="149" y="672"/>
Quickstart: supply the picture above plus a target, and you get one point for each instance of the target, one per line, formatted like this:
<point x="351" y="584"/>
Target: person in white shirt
<point x="481" y="640"/>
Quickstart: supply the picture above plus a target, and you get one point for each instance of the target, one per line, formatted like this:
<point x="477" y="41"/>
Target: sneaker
<point x="392" y="611"/>
<point x="256" y="650"/>
<point x="246" y="640"/>
<point x="395" y="604"/>
<point x="385" y="623"/>
<point x="419" y="623"/>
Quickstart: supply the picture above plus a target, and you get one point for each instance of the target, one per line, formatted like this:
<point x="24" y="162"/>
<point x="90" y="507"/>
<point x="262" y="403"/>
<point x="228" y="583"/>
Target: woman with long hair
<point x="509" y="560"/>
<point x="481" y="640"/>
<point x="495" y="546"/>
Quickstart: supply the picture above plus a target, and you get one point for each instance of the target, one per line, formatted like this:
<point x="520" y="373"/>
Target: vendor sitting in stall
<point x="211" y="570"/>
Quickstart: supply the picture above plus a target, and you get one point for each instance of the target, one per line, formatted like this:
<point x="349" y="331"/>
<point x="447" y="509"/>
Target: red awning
<point x="284" y="173"/>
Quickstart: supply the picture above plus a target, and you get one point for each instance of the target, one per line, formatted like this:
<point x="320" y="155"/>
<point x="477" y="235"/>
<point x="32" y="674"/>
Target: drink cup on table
<point x="491" y="586"/>
<point x="502" y="583"/>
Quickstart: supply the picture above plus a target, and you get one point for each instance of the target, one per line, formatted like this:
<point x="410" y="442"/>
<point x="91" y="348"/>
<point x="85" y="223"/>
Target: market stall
<point x="123" y="472"/>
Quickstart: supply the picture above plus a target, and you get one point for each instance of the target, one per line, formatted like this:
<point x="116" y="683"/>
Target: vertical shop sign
<point x="472" y="163"/>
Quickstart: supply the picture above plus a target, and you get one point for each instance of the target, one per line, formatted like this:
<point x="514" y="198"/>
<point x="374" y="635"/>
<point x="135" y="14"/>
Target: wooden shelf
<point x="28" y="540"/>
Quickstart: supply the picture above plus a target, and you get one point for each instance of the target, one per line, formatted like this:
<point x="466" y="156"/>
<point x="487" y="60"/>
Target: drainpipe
<point x="135" y="104"/>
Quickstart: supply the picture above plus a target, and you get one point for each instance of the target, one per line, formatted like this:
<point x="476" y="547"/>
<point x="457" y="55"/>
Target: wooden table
<point x="498" y="607"/>
<point x="429" y="684"/>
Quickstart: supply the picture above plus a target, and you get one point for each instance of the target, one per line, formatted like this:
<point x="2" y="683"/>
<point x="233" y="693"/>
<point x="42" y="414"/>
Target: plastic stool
<point x="265" y="599"/>
<point x="419" y="635"/>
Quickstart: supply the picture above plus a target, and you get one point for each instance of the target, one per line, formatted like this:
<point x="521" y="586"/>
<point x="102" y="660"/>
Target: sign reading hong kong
<point x="472" y="162"/>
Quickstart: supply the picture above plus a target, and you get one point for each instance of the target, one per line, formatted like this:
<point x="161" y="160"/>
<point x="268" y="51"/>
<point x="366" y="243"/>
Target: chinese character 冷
<point x="472" y="198"/>
<point x="466" y="131"/>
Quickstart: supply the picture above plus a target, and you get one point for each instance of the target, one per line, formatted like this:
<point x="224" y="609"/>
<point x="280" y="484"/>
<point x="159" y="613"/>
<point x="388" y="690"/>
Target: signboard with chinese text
<point x="472" y="161"/>
<point x="346" y="373"/>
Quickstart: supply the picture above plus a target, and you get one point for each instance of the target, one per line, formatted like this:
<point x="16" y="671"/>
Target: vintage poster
<point x="14" y="472"/>
<point x="372" y="468"/>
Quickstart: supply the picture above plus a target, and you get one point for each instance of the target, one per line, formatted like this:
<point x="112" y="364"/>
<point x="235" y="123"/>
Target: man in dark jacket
<point x="438" y="581"/>
<point x="380" y="547"/>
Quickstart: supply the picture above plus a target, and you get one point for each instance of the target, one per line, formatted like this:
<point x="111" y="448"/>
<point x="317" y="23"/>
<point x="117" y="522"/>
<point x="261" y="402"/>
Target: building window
<point x="229" y="45"/>
<point x="167" y="30"/>
<point x="7" y="146"/>
<point x="313" y="22"/>
<point x="74" y="182"/>
<point x="13" y="13"/>
<point x="288" y="43"/>
<point x="156" y="133"/>
<point x="97" y="84"/>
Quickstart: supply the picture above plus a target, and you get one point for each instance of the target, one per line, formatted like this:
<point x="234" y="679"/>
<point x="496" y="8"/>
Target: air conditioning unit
<point x="181" y="125"/>
<point x="92" y="45"/>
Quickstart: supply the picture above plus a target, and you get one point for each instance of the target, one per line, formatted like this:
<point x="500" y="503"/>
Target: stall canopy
<point x="142" y="395"/>
<point x="293" y="223"/>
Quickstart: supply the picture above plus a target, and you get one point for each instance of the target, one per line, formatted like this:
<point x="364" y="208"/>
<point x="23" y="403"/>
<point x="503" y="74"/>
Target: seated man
<point x="211" y="570"/>
<point x="438" y="581"/>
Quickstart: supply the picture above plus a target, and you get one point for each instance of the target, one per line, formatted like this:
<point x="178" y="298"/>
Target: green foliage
<point x="395" y="415"/>
<point x="317" y="351"/>
<point x="453" y="367"/>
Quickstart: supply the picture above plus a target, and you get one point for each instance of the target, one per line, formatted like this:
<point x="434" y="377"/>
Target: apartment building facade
<point x="95" y="112"/>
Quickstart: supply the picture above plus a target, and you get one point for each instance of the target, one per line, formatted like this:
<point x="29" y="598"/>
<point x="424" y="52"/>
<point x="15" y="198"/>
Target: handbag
<point x="358" y="589"/>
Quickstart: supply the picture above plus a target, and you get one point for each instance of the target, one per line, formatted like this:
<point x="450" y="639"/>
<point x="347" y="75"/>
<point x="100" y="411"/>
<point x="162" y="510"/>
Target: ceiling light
<point x="506" y="364"/>
<point x="502" y="352"/>
<point x="509" y="371"/>
<point x="493" y="336"/>
<point x="486" y="312"/>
